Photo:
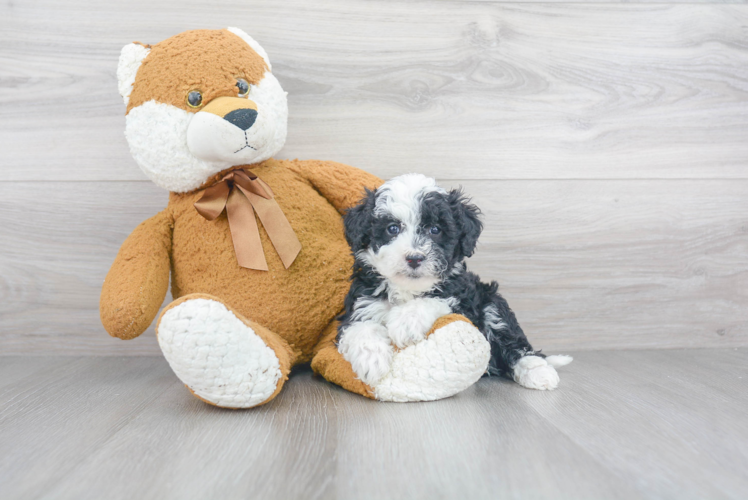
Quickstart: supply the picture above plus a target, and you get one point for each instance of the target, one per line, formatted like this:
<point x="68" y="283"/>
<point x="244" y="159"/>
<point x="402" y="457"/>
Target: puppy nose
<point x="414" y="260"/>
<point x="242" y="118"/>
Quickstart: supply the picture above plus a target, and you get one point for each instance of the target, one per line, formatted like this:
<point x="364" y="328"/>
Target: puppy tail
<point x="558" y="360"/>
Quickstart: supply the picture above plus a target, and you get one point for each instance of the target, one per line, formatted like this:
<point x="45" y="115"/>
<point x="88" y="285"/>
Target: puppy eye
<point x="393" y="229"/>
<point x="194" y="99"/>
<point x="243" y="86"/>
<point x="435" y="230"/>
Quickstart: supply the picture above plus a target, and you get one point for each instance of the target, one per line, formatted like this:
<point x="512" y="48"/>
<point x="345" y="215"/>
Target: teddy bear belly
<point x="296" y="303"/>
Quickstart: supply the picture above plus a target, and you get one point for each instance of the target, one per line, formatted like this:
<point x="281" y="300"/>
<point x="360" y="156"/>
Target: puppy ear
<point x="358" y="222"/>
<point x="467" y="218"/>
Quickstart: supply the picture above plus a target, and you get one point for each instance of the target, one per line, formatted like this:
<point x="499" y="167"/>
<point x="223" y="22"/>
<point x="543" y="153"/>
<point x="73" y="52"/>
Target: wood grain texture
<point x="619" y="264"/>
<point x="585" y="264"/>
<point x="455" y="89"/>
<point x="623" y="424"/>
<point x="57" y="241"/>
<point x="40" y="418"/>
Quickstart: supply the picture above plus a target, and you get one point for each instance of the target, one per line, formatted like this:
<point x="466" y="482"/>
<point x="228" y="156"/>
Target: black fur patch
<point x="508" y="344"/>
<point x="358" y="221"/>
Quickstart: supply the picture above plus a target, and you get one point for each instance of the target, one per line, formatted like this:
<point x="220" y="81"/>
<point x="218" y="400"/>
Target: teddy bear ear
<point x="130" y="58"/>
<point x="252" y="43"/>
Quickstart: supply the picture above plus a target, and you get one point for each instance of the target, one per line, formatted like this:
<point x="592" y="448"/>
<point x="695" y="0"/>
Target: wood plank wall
<point x="607" y="144"/>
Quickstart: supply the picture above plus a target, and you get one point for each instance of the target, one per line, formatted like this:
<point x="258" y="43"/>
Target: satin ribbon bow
<point x="241" y="193"/>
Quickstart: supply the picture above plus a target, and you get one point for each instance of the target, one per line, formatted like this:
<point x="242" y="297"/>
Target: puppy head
<point x="412" y="232"/>
<point x="199" y="103"/>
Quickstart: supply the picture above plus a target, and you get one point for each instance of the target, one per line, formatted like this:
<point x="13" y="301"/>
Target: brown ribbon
<point x="241" y="193"/>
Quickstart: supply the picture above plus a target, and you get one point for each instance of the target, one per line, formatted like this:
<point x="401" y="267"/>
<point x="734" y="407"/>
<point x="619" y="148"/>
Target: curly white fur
<point x="535" y="372"/>
<point x="367" y="348"/>
<point x="408" y="323"/>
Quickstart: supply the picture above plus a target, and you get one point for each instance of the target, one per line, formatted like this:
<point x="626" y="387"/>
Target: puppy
<point x="410" y="239"/>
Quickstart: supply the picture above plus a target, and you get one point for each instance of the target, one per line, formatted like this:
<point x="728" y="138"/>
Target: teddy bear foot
<point x="219" y="357"/>
<point x="452" y="358"/>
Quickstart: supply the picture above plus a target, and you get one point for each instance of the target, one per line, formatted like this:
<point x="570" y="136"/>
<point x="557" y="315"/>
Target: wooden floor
<point x="623" y="424"/>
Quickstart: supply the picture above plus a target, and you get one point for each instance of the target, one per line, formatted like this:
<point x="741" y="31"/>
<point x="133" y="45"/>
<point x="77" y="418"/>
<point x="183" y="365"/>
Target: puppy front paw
<point x="405" y="330"/>
<point x="534" y="372"/>
<point x="409" y="323"/>
<point x="367" y="348"/>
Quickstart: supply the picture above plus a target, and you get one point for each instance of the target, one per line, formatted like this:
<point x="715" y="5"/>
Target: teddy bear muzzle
<point x="238" y="111"/>
<point x="226" y="129"/>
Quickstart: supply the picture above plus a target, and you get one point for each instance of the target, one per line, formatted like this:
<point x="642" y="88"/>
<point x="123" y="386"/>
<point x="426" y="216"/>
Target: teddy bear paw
<point x="448" y="361"/>
<point x="216" y="355"/>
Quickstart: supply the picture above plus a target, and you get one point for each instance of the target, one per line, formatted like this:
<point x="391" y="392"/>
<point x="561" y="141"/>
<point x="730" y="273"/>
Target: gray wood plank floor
<point x="623" y="424"/>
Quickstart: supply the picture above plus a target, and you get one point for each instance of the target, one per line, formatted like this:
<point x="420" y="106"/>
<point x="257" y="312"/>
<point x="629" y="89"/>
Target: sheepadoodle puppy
<point x="410" y="239"/>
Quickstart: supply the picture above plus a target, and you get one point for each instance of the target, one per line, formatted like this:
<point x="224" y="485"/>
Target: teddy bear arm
<point x="138" y="280"/>
<point x="342" y="185"/>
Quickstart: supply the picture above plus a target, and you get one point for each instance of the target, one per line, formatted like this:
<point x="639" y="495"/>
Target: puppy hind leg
<point x="537" y="371"/>
<point x="512" y="355"/>
<point x="559" y="360"/>
<point x="534" y="372"/>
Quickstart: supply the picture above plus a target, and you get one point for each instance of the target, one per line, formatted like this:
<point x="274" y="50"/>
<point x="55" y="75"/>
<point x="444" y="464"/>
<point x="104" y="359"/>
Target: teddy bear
<point x="254" y="246"/>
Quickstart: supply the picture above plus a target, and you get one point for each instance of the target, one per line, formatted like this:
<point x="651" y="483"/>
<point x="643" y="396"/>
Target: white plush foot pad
<point x="449" y="361"/>
<point x="216" y="355"/>
<point x="535" y="372"/>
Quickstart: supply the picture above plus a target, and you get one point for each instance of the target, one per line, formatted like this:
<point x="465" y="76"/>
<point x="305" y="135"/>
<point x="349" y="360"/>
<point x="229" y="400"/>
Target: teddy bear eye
<point x="243" y="86"/>
<point x="393" y="229"/>
<point x="194" y="98"/>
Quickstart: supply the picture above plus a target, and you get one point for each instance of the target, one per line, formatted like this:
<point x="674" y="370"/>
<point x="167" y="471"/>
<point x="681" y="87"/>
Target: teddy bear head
<point x="198" y="103"/>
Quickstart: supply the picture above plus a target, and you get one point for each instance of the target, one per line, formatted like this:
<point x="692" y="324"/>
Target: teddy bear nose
<point x="242" y="118"/>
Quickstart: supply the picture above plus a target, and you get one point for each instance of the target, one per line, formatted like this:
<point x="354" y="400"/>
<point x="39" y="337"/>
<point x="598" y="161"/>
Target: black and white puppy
<point x="410" y="239"/>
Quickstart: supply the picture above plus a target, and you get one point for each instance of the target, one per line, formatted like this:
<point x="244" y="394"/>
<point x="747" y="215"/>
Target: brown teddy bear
<point x="255" y="246"/>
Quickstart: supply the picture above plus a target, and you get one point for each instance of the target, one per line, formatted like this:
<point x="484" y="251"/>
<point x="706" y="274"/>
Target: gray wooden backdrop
<point x="607" y="144"/>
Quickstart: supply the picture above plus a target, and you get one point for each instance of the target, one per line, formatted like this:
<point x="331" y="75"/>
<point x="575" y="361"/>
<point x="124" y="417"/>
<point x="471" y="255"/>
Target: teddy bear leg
<point x="223" y="358"/>
<point x="454" y="355"/>
<point x="330" y="364"/>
